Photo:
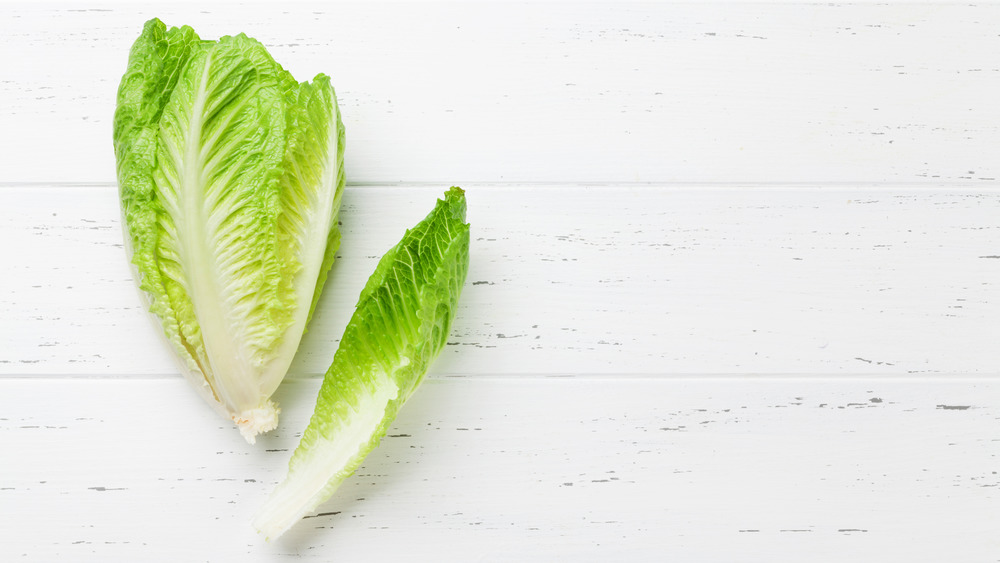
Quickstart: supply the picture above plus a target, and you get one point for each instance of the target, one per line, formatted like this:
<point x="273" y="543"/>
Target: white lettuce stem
<point x="257" y="421"/>
<point x="327" y="462"/>
<point x="232" y="378"/>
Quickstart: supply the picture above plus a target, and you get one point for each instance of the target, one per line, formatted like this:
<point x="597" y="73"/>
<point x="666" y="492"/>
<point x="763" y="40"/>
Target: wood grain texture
<point x="487" y="469"/>
<point x="583" y="280"/>
<point x="559" y="92"/>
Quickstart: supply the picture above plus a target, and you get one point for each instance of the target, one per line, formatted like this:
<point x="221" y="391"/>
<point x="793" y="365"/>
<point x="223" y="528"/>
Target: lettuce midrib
<point x="227" y="374"/>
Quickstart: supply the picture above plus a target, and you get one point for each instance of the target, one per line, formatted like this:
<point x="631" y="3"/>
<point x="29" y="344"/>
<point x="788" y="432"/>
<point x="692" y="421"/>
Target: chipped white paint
<point x="798" y="366"/>
<point x="559" y="92"/>
<point x="493" y="469"/>
<point x="580" y="280"/>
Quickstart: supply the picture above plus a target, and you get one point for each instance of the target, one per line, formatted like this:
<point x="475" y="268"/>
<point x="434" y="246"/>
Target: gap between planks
<point x="796" y="186"/>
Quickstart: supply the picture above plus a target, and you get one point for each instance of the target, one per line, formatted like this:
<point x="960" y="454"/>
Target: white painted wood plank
<point x="558" y="92"/>
<point x="525" y="469"/>
<point x="588" y="280"/>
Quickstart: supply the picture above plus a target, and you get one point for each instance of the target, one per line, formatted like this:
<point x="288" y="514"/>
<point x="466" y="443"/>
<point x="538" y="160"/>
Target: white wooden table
<point x="733" y="295"/>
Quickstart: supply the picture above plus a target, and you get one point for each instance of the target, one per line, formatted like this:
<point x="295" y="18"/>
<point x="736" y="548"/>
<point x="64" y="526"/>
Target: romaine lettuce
<point x="230" y="178"/>
<point x="400" y="325"/>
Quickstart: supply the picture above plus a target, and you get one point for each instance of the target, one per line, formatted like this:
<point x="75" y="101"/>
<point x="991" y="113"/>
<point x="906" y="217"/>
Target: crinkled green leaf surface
<point x="230" y="177"/>
<point x="400" y="325"/>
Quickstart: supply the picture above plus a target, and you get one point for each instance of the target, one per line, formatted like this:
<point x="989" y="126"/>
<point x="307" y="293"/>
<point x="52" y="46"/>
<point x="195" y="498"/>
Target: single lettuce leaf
<point x="230" y="178"/>
<point x="400" y="325"/>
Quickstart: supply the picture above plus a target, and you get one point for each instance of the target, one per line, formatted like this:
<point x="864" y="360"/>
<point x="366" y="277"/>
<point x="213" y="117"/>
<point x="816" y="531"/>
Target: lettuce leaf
<point x="400" y="325"/>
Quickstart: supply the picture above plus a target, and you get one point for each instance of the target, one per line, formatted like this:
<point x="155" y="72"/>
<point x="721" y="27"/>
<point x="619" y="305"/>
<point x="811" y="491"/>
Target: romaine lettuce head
<point x="230" y="177"/>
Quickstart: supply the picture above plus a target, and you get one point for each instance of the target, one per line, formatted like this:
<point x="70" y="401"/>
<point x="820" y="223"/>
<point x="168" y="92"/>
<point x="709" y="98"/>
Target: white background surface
<point x="732" y="294"/>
